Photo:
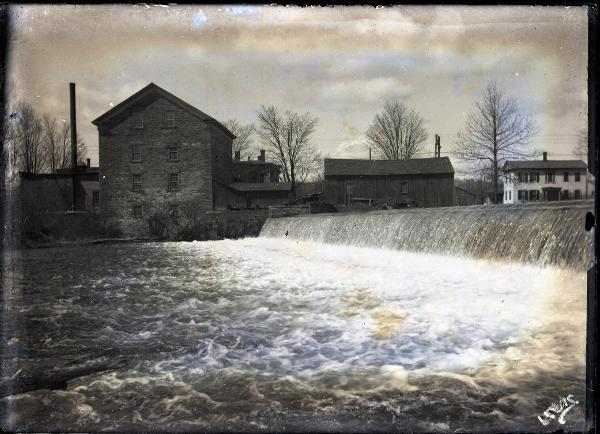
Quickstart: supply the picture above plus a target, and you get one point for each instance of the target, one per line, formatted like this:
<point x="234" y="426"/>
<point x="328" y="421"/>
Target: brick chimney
<point x="545" y="156"/>
<point x="261" y="157"/>
<point x="237" y="156"/>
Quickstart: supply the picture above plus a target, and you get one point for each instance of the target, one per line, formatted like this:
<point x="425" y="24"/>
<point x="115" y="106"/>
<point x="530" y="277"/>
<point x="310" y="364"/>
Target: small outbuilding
<point x="423" y="182"/>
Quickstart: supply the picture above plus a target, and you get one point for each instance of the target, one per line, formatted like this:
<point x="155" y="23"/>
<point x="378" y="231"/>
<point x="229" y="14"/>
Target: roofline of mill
<point x="176" y="100"/>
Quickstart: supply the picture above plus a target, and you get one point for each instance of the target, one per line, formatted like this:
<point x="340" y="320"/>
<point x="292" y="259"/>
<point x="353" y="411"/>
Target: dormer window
<point x="170" y="119"/>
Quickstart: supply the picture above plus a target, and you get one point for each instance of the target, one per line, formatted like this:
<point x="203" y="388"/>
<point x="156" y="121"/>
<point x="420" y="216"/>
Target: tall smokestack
<point x="73" y="142"/>
<point x="73" y="127"/>
<point x="545" y="156"/>
<point x="369" y="153"/>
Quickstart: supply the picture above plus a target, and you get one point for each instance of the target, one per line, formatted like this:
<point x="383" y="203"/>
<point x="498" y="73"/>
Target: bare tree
<point x="243" y="134"/>
<point x="581" y="148"/>
<point x="288" y="138"/>
<point x="52" y="143"/>
<point x="29" y="140"/>
<point x="397" y="133"/>
<point x="496" y="131"/>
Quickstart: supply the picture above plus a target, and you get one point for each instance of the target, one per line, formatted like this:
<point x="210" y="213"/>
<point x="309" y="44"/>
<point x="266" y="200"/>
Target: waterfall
<point x="548" y="233"/>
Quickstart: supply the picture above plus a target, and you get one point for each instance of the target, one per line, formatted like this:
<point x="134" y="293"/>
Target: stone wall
<point x="191" y="136"/>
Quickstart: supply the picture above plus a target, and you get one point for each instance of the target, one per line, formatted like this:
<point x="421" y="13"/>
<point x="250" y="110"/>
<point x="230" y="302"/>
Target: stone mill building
<point x="157" y="152"/>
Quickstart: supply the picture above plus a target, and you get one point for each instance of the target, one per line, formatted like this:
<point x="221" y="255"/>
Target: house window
<point x="138" y="120"/>
<point x="173" y="181"/>
<point x="509" y="195"/>
<point x="136" y="153"/>
<point x="550" y="178"/>
<point x="173" y="210"/>
<point x="566" y="177"/>
<point x="138" y="211"/>
<point x="505" y="195"/>
<point x="564" y="195"/>
<point x="534" y="195"/>
<point x="534" y="177"/>
<point x="522" y="195"/>
<point x="577" y="177"/>
<point x="170" y="119"/>
<point x="136" y="182"/>
<point x="404" y="187"/>
<point x="95" y="198"/>
<point x="577" y="194"/>
<point x="520" y="177"/>
<point x="173" y="154"/>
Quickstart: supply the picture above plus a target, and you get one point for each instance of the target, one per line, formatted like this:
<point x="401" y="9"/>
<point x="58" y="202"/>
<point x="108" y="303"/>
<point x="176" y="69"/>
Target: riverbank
<point x="72" y="229"/>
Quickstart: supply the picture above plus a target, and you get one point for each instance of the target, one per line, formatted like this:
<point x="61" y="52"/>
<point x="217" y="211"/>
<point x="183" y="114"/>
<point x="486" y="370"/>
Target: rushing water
<point x="288" y="335"/>
<point x="547" y="233"/>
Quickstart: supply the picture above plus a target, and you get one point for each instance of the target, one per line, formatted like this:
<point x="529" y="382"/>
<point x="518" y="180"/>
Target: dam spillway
<point x="545" y="234"/>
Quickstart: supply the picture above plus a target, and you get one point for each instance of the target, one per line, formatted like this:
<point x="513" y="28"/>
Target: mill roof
<point x="153" y="88"/>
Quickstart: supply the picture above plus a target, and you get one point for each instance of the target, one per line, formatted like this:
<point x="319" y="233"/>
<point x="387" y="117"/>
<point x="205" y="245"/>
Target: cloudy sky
<point x="341" y="64"/>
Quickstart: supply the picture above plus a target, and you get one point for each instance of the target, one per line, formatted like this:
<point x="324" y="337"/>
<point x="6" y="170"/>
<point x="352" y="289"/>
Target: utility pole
<point x="73" y="142"/>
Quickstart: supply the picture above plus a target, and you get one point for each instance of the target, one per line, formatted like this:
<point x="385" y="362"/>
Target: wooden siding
<point x="427" y="191"/>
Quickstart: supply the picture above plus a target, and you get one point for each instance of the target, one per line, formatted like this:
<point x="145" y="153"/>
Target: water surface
<point x="288" y="335"/>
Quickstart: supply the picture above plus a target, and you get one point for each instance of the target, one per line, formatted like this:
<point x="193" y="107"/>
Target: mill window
<point x="136" y="182"/>
<point x="136" y="152"/>
<point x="173" y="181"/>
<point x="170" y="119"/>
<point x="138" y="211"/>
<point x="138" y="120"/>
<point x="173" y="154"/>
<point x="404" y="187"/>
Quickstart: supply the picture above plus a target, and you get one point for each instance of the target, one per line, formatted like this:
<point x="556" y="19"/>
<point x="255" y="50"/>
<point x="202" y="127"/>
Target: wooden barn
<point x="424" y="182"/>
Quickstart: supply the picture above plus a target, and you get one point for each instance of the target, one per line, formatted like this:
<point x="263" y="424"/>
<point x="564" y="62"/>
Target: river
<point x="280" y="334"/>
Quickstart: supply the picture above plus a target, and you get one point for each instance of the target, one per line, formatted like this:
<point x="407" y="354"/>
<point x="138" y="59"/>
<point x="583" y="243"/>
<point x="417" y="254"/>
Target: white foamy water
<point x="283" y="335"/>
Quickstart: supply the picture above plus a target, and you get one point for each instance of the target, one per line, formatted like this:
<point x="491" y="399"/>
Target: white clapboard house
<point x="545" y="180"/>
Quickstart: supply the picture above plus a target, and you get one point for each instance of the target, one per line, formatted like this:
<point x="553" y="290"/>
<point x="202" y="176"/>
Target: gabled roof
<point x="543" y="164"/>
<point x="417" y="166"/>
<point x="119" y="108"/>
<point x="261" y="186"/>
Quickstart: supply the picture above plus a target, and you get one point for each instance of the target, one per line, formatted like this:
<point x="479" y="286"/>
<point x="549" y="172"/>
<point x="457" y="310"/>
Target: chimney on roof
<point x="89" y="162"/>
<point x="369" y="152"/>
<point x="261" y="157"/>
<point x="438" y="147"/>
<point x="237" y="156"/>
<point x="545" y="156"/>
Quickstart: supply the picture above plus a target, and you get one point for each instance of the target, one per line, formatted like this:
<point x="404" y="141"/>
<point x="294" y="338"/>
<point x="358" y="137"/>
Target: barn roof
<point x="417" y="166"/>
<point x="261" y="186"/>
<point x="543" y="164"/>
<point x="153" y="88"/>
